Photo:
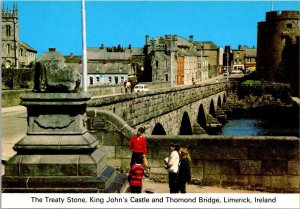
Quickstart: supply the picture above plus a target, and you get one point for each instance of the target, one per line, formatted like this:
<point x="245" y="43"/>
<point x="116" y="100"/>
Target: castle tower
<point x="10" y="36"/>
<point x="278" y="48"/>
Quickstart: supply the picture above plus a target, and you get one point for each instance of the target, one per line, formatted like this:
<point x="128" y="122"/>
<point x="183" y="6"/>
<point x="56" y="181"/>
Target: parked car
<point x="140" y="88"/>
<point x="236" y="71"/>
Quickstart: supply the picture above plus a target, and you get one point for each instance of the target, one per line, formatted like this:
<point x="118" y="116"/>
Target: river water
<point x="260" y="127"/>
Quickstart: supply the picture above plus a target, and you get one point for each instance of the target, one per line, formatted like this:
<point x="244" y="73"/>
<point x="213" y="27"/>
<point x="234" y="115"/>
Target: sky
<point x="57" y="24"/>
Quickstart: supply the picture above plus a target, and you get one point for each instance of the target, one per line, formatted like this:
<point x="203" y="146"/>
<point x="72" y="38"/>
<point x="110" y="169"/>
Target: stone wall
<point x="12" y="97"/>
<point x="257" y="163"/>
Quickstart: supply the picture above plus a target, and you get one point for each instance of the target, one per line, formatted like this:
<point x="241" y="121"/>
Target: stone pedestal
<point x="58" y="154"/>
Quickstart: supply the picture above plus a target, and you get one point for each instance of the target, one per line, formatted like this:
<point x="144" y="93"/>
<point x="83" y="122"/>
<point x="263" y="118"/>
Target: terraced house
<point x="180" y="61"/>
<point x="114" y="65"/>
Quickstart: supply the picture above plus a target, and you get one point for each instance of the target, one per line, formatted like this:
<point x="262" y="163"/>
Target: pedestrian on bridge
<point x="138" y="146"/>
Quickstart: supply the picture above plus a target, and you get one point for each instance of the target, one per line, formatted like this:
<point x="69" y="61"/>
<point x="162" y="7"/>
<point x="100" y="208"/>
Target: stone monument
<point x="58" y="154"/>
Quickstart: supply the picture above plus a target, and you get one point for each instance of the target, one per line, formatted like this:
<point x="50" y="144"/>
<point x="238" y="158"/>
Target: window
<point x="109" y="79"/>
<point x="8" y="30"/>
<point x="116" y="80"/>
<point x="91" y="81"/>
<point x="8" y="49"/>
<point x="98" y="79"/>
<point x="167" y="77"/>
<point x="289" y="25"/>
<point x="157" y="64"/>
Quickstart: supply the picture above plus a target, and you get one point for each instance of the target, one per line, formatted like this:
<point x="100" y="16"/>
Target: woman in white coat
<point x="171" y="164"/>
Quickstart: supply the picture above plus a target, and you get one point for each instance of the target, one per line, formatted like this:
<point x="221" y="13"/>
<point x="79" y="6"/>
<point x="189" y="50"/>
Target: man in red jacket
<point x="138" y="146"/>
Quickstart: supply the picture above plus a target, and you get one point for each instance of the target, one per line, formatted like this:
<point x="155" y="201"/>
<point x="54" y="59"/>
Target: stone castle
<point x="278" y="48"/>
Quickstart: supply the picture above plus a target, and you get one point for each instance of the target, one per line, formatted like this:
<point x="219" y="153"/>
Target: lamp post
<point x="84" y="58"/>
<point x="201" y="64"/>
<point x="227" y="59"/>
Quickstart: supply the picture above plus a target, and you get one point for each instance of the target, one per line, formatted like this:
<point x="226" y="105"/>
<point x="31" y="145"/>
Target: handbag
<point x="145" y="161"/>
<point x="147" y="169"/>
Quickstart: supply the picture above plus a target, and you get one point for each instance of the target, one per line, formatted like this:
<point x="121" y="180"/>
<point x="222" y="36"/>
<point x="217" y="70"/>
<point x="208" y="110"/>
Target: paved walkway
<point x="150" y="186"/>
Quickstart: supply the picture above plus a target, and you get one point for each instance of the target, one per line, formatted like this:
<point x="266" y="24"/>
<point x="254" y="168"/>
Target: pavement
<point x="150" y="186"/>
<point x="13" y="109"/>
<point x="14" y="128"/>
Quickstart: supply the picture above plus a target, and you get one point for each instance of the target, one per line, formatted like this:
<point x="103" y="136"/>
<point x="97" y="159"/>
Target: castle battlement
<point x="9" y="13"/>
<point x="284" y="15"/>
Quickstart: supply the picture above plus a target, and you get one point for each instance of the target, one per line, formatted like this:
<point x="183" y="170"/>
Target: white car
<point x="236" y="71"/>
<point x="140" y="88"/>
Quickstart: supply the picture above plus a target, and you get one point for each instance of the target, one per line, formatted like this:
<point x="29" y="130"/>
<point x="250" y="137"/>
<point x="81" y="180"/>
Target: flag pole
<point x="84" y="56"/>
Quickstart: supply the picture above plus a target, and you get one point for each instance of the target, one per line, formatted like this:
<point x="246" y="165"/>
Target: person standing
<point x="138" y="146"/>
<point x="128" y="86"/>
<point x="184" y="172"/>
<point x="135" y="176"/>
<point x="171" y="164"/>
<point x="125" y="86"/>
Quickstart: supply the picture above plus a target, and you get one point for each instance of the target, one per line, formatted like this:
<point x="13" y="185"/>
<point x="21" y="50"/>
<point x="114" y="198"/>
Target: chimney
<point x="191" y="38"/>
<point x="52" y="49"/>
<point x="147" y="40"/>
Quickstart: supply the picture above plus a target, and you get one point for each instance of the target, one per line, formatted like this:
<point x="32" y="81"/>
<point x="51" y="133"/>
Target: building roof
<point x="29" y="48"/>
<point x="103" y="54"/>
<point x="206" y="44"/>
<point x="249" y="52"/>
<point x="137" y="51"/>
<point x="51" y="55"/>
<point x="108" y="68"/>
<point x="73" y="59"/>
<point x="189" y="52"/>
<point x="98" y="68"/>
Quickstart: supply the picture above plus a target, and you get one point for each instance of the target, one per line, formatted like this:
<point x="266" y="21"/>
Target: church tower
<point x="10" y="37"/>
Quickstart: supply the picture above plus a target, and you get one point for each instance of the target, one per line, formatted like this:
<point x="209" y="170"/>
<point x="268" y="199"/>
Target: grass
<point x="247" y="82"/>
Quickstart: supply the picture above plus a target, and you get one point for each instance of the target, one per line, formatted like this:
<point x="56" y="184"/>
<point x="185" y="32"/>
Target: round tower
<point x="277" y="47"/>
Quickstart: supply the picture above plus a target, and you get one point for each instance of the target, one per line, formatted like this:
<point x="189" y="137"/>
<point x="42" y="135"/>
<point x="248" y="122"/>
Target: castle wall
<point x="277" y="46"/>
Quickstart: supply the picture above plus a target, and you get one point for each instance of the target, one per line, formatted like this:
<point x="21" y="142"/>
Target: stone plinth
<point x="58" y="154"/>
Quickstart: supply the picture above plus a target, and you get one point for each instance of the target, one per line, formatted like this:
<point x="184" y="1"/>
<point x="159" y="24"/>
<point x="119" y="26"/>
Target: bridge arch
<point x="224" y="98"/>
<point x="212" y="109"/>
<point x="158" y="130"/>
<point x="201" y="119"/>
<point x="185" y="127"/>
<point x="219" y="101"/>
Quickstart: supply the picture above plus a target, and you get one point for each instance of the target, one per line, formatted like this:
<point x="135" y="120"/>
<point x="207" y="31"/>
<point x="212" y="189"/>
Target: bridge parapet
<point x="138" y="108"/>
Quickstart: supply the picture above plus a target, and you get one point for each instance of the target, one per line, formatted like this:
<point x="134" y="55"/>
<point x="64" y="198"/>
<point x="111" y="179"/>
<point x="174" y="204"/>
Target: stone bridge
<point x="174" y="115"/>
<point x="169" y="111"/>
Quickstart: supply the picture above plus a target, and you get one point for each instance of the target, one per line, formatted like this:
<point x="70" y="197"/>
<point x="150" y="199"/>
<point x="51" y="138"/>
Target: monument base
<point x="58" y="154"/>
<point x="109" y="181"/>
